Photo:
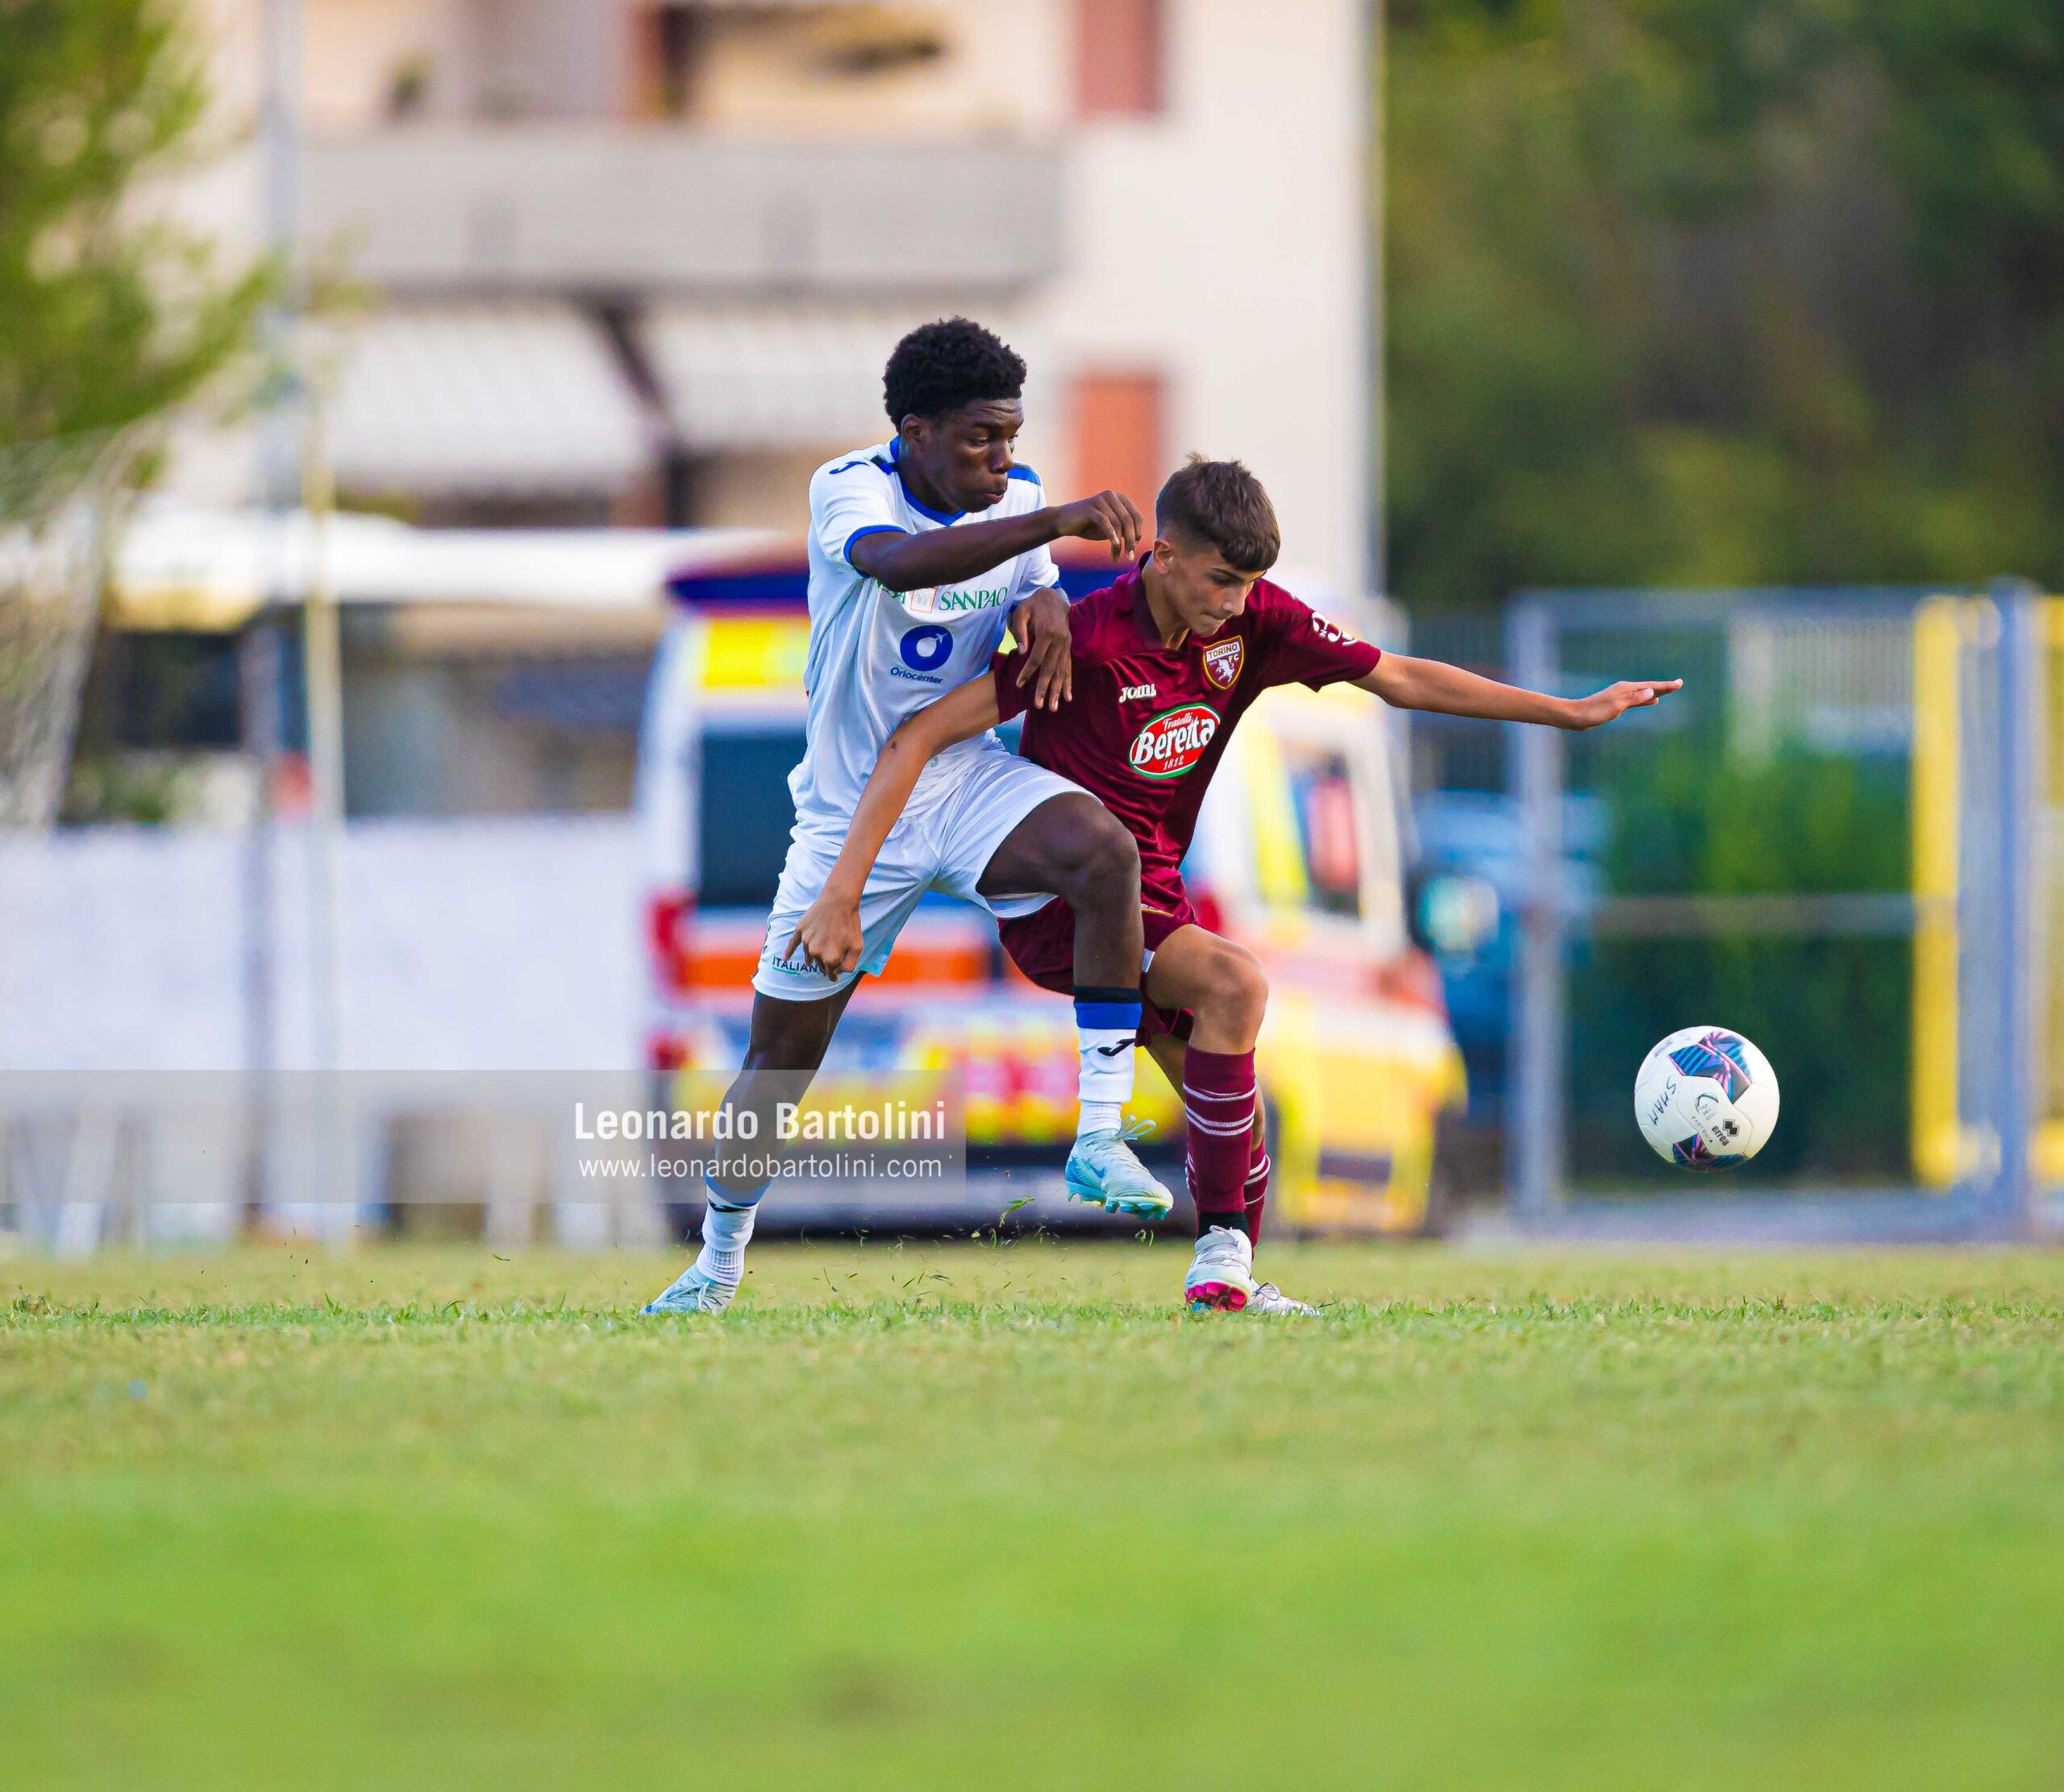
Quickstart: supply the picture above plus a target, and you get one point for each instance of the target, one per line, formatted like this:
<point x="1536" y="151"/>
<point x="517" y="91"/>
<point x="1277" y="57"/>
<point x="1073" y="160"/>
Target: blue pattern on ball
<point x="1720" y="1058"/>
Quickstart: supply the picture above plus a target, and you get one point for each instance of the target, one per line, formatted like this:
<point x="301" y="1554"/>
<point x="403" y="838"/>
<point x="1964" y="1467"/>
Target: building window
<point x="668" y="46"/>
<point x="1118" y="46"/>
<point x="1118" y="439"/>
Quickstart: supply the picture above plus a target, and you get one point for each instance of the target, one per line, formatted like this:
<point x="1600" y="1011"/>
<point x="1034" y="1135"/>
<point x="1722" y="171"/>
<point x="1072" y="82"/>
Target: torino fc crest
<point x="1221" y="662"/>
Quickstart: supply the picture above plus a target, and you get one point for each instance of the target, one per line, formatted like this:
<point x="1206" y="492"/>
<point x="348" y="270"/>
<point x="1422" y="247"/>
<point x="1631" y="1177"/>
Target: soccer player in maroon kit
<point x="1165" y="661"/>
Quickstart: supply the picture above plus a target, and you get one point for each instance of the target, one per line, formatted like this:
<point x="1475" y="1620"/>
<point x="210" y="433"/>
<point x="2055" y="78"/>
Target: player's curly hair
<point x="1219" y="504"/>
<point x="943" y="365"/>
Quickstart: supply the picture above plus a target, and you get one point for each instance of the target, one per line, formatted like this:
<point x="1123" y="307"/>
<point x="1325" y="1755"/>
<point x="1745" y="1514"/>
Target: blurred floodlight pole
<point x="279" y="134"/>
<point x="1538" y="1019"/>
<point x="323" y="661"/>
<point x="279" y="484"/>
<point x="1375" y="167"/>
<point x="258" y="679"/>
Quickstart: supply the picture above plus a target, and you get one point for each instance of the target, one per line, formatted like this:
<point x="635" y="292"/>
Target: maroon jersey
<point x="1148" y="724"/>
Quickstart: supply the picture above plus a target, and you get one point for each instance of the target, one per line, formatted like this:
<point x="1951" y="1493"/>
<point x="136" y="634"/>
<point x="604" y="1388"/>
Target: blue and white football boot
<point x="1102" y="1171"/>
<point x="696" y="1291"/>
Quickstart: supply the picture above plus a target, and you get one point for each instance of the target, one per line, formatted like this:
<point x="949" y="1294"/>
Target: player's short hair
<point x="1219" y="504"/>
<point x="943" y="365"/>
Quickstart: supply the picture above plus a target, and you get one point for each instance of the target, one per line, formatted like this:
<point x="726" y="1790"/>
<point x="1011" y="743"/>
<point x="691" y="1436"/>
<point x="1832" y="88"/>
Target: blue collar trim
<point x="910" y="496"/>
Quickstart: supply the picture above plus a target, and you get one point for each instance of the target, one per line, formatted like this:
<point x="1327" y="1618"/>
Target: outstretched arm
<point x="901" y="562"/>
<point x="944" y="556"/>
<point x="1408" y="683"/>
<point x="829" y="931"/>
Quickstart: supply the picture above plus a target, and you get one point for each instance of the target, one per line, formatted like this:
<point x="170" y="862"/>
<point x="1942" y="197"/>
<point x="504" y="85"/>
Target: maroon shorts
<point x="1042" y="945"/>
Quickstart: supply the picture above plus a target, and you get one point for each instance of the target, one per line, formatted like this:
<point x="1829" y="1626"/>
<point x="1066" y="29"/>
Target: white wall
<point x="486" y="944"/>
<point x="1223" y="244"/>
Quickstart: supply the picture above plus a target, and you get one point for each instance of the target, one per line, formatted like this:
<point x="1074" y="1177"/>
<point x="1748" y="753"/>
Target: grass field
<point x="1001" y="1517"/>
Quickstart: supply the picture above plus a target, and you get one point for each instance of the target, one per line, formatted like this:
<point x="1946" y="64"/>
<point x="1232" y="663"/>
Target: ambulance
<point x="1297" y="856"/>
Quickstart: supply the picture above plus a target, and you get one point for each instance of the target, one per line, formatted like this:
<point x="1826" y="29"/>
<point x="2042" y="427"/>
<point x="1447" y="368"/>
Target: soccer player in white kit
<point x="922" y="551"/>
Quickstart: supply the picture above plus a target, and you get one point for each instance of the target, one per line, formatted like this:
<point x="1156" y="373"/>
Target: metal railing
<point x="1881" y="917"/>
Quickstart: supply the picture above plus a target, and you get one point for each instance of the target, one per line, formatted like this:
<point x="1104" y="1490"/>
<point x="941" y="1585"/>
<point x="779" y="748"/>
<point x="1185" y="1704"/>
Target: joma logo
<point x="1133" y="692"/>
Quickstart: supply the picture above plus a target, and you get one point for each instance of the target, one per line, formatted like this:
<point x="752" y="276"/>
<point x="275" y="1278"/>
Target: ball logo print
<point x="1173" y="742"/>
<point x="927" y="649"/>
<point x="1706" y="1099"/>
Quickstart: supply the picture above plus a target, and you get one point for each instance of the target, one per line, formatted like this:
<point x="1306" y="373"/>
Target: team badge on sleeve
<point x="1221" y="662"/>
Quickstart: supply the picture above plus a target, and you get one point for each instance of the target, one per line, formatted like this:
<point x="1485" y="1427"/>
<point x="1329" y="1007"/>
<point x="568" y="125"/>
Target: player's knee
<point x="1107" y="865"/>
<point x="1237" y="983"/>
<point x="788" y="1036"/>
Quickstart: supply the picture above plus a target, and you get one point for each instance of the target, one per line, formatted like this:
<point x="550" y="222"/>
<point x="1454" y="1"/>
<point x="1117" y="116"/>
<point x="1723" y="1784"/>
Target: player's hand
<point x="829" y="935"/>
<point x="1040" y="626"/>
<point x="1108" y="517"/>
<point x="1614" y="700"/>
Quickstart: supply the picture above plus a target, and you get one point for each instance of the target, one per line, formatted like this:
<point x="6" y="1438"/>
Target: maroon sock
<point x="1258" y="1191"/>
<point x="1218" y="1104"/>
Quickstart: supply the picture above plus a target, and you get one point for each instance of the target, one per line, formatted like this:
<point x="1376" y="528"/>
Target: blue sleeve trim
<point x="1023" y="472"/>
<point x="846" y="553"/>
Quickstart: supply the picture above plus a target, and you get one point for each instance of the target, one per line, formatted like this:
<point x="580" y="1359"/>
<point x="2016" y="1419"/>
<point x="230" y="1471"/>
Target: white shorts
<point x="945" y="847"/>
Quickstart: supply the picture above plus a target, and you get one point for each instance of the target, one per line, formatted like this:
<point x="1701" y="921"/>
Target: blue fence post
<point x="2009" y="1204"/>
<point x="1539" y="1025"/>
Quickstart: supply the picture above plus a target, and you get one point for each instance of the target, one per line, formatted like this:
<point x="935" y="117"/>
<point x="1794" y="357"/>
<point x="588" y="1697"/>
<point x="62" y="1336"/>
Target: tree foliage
<point x="1723" y="292"/>
<point x="112" y="309"/>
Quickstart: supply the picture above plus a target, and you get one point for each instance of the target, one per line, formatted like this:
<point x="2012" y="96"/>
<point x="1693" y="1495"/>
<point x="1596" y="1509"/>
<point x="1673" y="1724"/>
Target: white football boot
<point x="1102" y="1170"/>
<point x="696" y="1291"/>
<point x="1222" y="1278"/>
<point x="707" y="1285"/>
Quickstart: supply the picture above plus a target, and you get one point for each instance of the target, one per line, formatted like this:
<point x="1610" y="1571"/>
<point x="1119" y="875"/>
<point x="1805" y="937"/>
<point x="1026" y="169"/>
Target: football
<point x="1706" y="1098"/>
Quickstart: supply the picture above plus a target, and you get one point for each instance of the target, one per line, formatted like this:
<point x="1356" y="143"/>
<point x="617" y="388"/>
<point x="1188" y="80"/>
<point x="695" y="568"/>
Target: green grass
<point x="991" y="1518"/>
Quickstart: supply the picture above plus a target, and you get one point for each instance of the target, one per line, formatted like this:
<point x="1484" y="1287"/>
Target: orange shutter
<point x="1118" y="439"/>
<point x="1117" y="48"/>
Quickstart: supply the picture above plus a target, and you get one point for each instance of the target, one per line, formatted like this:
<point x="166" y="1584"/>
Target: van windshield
<point x="745" y="815"/>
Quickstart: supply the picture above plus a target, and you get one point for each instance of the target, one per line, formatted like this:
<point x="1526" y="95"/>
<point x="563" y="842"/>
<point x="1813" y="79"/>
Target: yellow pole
<point x="1937" y="641"/>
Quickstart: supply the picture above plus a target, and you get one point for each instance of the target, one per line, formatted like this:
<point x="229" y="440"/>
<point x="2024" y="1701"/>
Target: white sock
<point x="1106" y="1032"/>
<point x="726" y="1232"/>
<point x="1099" y="1116"/>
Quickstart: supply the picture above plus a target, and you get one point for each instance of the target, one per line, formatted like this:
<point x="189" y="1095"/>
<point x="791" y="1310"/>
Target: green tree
<point x="1723" y="292"/>
<point x="111" y="309"/>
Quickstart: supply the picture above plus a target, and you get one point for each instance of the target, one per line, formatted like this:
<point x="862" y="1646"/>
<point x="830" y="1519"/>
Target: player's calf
<point x="786" y="1043"/>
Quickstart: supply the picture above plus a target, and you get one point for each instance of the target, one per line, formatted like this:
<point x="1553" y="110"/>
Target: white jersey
<point x="875" y="656"/>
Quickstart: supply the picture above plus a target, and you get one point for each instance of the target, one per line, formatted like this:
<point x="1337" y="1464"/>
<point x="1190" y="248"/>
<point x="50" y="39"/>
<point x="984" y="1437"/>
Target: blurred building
<point x="607" y="262"/>
<point x="641" y="261"/>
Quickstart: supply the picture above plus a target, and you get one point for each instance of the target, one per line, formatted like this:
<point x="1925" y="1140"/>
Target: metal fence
<point x="1836" y="841"/>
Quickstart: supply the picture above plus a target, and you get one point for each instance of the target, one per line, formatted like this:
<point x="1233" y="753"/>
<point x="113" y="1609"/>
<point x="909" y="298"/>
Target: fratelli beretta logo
<point x="1173" y="742"/>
